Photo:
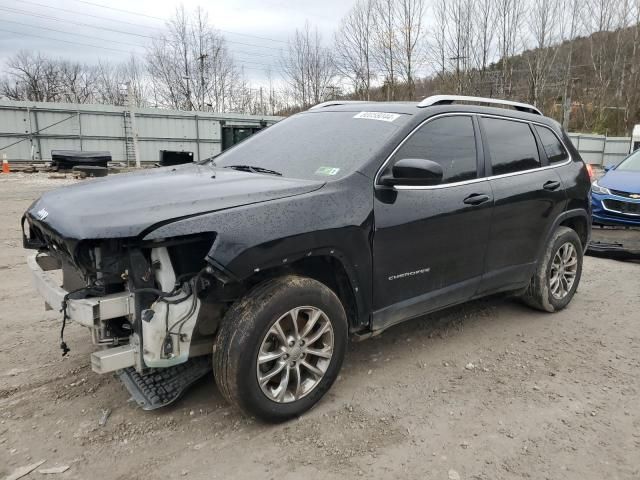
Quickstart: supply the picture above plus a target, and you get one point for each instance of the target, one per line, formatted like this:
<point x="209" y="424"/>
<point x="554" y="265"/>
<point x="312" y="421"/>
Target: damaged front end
<point x="142" y="302"/>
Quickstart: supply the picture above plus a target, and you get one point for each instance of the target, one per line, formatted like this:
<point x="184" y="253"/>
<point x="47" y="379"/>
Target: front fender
<point x="336" y="221"/>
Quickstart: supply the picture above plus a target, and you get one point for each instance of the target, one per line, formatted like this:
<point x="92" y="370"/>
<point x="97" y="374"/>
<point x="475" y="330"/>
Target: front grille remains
<point x="619" y="206"/>
<point x="620" y="193"/>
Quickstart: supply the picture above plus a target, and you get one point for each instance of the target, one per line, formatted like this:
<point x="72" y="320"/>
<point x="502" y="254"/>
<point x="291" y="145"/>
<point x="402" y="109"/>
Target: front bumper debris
<point x="164" y="386"/>
<point x="89" y="312"/>
<point x="112" y="359"/>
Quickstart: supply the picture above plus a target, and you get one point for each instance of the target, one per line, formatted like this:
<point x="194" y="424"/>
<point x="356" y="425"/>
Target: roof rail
<point x="449" y="99"/>
<point x="332" y="103"/>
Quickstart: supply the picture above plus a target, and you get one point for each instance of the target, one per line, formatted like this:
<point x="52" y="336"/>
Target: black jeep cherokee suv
<point x="341" y="220"/>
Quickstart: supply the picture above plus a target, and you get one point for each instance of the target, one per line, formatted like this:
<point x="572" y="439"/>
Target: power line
<point x="60" y="40"/>
<point x="37" y="15"/>
<point x="84" y="14"/>
<point x="119" y="50"/>
<point x="71" y="33"/>
<point x="117" y="41"/>
<point x="115" y="30"/>
<point x="67" y="21"/>
<point x="164" y="19"/>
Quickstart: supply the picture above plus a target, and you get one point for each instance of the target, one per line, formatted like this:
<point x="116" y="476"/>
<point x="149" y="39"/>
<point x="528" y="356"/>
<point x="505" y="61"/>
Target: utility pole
<point x="457" y="59"/>
<point x="132" y="117"/>
<point x="262" y="109"/>
<point x="201" y="58"/>
<point x="189" y="103"/>
<point x="566" y="104"/>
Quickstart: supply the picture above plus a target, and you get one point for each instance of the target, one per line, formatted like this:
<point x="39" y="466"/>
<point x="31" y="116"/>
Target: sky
<point x="255" y="30"/>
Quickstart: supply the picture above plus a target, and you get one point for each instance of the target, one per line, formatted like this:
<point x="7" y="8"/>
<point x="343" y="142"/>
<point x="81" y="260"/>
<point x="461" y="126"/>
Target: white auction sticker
<point x="383" y="116"/>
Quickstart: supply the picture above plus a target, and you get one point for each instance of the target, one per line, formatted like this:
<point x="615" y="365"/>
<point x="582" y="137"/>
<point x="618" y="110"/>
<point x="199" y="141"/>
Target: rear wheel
<point x="280" y="348"/>
<point x="558" y="274"/>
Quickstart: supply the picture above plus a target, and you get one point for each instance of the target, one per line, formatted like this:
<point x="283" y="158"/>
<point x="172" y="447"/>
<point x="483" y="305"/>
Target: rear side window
<point x="449" y="141"/>
<point x="511" y="144"/>
<point x="552" y="146"/>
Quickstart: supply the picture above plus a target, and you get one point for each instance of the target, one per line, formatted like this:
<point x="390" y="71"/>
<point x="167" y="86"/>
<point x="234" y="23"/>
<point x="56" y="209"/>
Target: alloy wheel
<point x="295" y="354"/>
<point x="564" y="269"/>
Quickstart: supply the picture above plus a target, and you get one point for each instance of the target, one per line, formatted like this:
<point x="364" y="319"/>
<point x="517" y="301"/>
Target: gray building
<point x="29" y="131"/>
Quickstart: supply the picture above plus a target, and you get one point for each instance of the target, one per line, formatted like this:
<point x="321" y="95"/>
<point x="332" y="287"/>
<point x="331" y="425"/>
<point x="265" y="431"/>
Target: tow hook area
<point x="112" y="359"/>
<point x="164" y="386"/>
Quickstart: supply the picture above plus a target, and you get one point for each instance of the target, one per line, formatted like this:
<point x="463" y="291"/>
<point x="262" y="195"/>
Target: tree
<point x="484" y="13"/>
<point x="569" y="28"/>
<point x="543" y="27"/>
<point x="77" y="82"/>
<point x="112" y="81"/>
<point x="438" y="47"/>
<point x="386" y="44"/>
<point x="308" y="67"/>
<point x="509" y="19"/>
<point x="353" y="47"/>
<point x="190" y="67"/>
<point x="459" y="41"/>
<point x="409" y="18"/>
<point x="31" y="76"/>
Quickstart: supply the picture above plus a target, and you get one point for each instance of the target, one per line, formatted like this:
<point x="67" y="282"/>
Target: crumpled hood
<point x="125" y="205"/>
<point x="623" y="180"/>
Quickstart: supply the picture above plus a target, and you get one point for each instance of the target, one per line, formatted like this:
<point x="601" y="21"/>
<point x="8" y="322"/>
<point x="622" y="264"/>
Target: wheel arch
<point x="578" y="220"/>
<point x="328" y="267"/>
<point x="580" y="225"/>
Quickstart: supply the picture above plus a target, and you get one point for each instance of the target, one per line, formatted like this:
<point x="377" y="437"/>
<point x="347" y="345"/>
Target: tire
<point x="250" y="329"/>
<point x="540" y="293"/>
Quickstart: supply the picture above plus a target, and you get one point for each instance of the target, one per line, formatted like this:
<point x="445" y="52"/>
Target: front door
<point x="429" y="243"/>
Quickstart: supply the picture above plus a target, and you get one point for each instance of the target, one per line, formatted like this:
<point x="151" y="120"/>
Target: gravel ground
<point x="488" y="390"/>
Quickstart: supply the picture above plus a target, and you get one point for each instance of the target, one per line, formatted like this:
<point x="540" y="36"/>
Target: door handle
<point x="476" y="199"/>
<point x="551" y="185"/>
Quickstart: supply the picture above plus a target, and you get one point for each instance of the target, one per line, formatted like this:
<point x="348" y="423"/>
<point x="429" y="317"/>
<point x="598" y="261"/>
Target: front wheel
<point x="558" y="274"/>
<point x="280" y="348"/>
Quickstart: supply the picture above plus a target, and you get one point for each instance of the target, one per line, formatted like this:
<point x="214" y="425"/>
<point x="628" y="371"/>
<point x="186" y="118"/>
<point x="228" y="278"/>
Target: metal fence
<point x="601" y="150"/>
<point x="30" y="130"/>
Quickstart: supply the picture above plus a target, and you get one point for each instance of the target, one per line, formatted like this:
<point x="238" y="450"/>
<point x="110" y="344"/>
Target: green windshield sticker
<point x="327" y="171"/>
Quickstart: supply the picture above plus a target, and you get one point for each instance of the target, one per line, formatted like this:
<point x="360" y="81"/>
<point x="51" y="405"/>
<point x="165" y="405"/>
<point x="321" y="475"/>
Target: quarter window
<point x="449" y="141"/>
<point x="552" y="146"/>
<point x="511" y="144"/>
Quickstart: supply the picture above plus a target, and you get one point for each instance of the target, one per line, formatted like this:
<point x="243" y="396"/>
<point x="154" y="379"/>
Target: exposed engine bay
<point x="142" y="302"/>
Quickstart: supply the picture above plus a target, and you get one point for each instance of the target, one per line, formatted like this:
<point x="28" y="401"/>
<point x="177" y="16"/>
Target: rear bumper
<point x="88" y="312"/>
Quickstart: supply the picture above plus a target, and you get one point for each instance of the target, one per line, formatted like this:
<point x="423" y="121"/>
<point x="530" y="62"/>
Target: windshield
<point x="631" y="163"/>
<point x="314" y="145"/>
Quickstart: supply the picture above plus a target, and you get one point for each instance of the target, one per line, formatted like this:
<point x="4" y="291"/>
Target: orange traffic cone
<point x="5" y="166"/>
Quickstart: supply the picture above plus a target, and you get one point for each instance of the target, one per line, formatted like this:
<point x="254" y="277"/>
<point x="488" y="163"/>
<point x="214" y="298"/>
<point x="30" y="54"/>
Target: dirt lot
<point x="489" y="390"/>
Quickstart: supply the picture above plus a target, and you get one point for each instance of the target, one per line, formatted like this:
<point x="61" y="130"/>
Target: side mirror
<point x="413" y="171"/>
<point x="607" y="168"/>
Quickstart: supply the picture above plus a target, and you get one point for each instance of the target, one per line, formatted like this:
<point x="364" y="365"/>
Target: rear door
<point x="429" y="242"/>
<point x="528" y="196"/>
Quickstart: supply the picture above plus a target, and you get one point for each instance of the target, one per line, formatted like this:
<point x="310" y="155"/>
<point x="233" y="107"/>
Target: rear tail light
<point x="590" y="170"/>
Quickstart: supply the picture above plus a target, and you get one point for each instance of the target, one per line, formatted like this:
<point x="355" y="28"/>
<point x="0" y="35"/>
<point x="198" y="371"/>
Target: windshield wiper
<point x="252" y="169"/>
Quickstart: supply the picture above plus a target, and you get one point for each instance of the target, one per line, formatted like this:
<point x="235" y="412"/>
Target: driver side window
<point x="448" y="141"/>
